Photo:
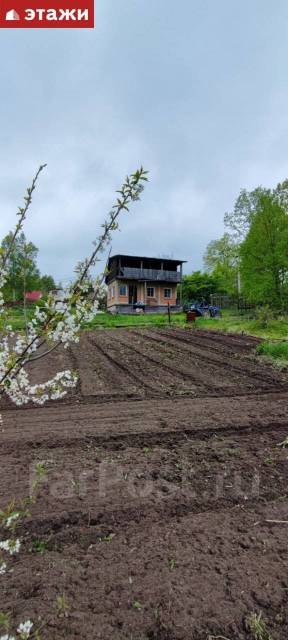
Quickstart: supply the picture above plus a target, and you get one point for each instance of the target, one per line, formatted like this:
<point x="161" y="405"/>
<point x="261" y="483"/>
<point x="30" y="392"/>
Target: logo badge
<point x="47" y="14"/>
<point x="12" y="15"/>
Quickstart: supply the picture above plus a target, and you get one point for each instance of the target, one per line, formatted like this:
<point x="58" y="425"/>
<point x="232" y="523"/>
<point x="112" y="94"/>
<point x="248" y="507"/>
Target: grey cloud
<point x="195" y="91"/>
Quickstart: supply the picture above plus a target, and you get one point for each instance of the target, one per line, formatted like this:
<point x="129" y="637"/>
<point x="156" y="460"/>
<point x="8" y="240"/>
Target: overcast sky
<point x="196" y="91"/>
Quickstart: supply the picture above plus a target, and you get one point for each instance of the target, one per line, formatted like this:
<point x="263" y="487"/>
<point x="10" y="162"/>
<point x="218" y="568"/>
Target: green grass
<point x="272" y="330"/>
<point x="104" y="320"/>
<point x="108" y="320"/>
<point x="274" y="350"/>
<point x="257" y="627"/>
<point x="229" y="322"/>
<point x="16" y="317"/>
<point x="275" y="329"/>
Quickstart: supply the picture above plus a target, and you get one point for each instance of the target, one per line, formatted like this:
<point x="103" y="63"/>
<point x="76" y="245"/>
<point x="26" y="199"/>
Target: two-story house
<point x="138" y="282"/>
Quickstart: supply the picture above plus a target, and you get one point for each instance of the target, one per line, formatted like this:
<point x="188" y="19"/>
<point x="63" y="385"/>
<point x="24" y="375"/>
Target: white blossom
<point x="12" y="519"/>
<point x="3" y="568"/>
<point x="24" y="629"/>
<point x="11" y="546"/>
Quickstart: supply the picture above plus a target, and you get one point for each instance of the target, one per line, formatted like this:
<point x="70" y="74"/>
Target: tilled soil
<point x="164" y="511"/>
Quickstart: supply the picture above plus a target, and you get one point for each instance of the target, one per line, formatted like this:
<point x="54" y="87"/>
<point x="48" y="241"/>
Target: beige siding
<point x="112" y="294"/>
<point x="114" y="297"/>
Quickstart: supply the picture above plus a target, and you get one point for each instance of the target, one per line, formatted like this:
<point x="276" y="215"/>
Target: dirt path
<point x="164" y="474"/>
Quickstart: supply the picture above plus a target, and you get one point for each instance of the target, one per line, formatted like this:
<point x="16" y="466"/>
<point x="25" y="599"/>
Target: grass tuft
<point x="274" y="350"/>
<point x="257" y="627"/>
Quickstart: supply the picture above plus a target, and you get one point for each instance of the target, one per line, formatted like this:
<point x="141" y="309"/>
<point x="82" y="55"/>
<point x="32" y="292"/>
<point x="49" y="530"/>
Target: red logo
<point x="47" y="14"/>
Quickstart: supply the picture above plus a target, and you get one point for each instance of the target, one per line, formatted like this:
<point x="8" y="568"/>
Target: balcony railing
<point x="150" y="274"/>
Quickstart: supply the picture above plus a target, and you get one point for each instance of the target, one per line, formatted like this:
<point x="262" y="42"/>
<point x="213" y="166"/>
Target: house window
<point x="150" y="292"/>
<point x="167" y="293"/>
<point x="112" y="292"/>
<point x="123" y="290"/>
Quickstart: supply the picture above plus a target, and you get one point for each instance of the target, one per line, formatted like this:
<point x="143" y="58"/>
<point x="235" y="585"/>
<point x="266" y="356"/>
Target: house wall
<point x="123" y="299"/>
<point x="173" y="298"/>
<point x="159" y="297"/>
<point x="114" y="297"/>
<point x="113" y="294"/>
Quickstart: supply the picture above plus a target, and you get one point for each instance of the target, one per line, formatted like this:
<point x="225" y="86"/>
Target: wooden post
<point x="169" y="313"/>
<point x="181" y="286"/>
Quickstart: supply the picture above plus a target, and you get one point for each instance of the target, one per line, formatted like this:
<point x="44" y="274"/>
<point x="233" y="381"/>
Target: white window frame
<point x="170" y="293"/>
<point x="122" y="286"/>
<point x="148" y="294"/>
<point x="113" y="292"/>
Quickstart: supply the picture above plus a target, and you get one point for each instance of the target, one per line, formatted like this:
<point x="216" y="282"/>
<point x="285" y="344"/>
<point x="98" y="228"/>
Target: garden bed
<point x="164" y="511"/>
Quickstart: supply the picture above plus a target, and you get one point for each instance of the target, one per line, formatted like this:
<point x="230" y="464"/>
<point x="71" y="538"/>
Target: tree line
<point x="23" y="274"/>
<point x="251" y="258"/>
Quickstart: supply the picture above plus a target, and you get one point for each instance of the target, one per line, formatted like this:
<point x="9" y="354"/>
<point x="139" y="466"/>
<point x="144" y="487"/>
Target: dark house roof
<point x="143" y="268"/>
<point x="156" y="258"/>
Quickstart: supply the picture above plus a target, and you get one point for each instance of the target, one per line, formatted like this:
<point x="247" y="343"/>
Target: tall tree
<point x="47" y="284"/>
<point x="247" y="205"/>
<point x="221" y="259"/>
<point x="264" y="253"/>
<point x="23" y="273"/>
<point x="239" y="220"/>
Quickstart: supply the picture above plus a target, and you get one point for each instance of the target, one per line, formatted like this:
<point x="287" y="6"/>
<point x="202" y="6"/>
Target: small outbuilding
<point x="33" y="296"/>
